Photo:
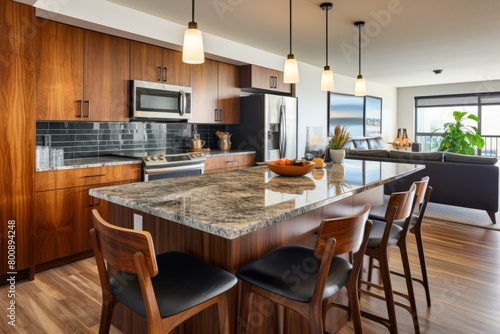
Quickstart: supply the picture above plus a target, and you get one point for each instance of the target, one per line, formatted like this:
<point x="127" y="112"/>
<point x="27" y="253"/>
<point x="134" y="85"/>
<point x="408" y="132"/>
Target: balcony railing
<point x="430" y="142"/>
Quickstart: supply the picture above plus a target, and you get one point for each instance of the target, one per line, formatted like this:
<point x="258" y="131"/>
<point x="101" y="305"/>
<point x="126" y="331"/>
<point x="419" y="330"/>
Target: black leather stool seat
<point x="291" y="272"/>
<point x="181" y="283"/>
<point x="377" y="233"/>
<point x="378" y="213"/>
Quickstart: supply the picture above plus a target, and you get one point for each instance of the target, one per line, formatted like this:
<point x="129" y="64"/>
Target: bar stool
<point x="167" y="289"/>
<point x="423" y="192"/>
<point x="383" y="235"/>
<point x="323" y="272"/>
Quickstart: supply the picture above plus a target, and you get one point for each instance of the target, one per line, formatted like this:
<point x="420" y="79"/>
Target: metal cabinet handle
<point x="95" y="175"/>
<point x="88" y="109"/>
<point x="165" y="73"/>
<point x="160" y="74"/>
<point x="81" y="108"/>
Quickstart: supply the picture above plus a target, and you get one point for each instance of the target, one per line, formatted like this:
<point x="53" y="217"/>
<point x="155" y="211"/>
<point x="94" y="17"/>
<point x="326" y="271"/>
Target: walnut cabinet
<point x="156" y="64"/>
<point x="63" y="210"/>
<point x="253" y="77"/>
<point x="81" y="75"/>
<point x="224" y="163"/>
<point x="216" y="95"/>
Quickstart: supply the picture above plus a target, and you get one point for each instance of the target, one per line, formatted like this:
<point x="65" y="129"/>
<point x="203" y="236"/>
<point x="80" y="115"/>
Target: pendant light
<point x="360" y="87"/>
<point x="327" y="82"/>
<point x="192" y="49"/>
<point x="291" y="69"/>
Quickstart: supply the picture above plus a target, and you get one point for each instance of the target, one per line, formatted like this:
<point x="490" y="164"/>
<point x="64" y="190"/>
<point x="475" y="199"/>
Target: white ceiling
<point x="402" y="41"/>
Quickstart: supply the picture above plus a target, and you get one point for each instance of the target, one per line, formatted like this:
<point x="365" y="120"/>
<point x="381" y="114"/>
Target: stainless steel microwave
<point x="158" y="101"/>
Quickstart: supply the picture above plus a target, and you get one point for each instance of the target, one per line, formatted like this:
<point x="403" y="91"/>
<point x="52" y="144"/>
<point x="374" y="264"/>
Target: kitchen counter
<point x="92" y="162"/>
<point x="218" y="153"/>
<point x="240" y="202"/>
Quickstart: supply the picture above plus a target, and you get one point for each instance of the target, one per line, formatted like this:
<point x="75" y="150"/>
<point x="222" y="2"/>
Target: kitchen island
<point x="230" y="219"/>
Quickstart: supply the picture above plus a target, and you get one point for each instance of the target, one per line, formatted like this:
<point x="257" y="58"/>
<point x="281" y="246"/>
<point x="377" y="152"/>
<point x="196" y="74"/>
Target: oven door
<point x="165" y="172"/>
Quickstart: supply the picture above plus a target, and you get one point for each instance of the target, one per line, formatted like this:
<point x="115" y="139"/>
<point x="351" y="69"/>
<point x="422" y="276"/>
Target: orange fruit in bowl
<point x="280" y="162"/>
<point x="288" y="162"/>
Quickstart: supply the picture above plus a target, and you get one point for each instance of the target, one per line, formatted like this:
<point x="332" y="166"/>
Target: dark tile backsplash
<point x="85" y="139"/>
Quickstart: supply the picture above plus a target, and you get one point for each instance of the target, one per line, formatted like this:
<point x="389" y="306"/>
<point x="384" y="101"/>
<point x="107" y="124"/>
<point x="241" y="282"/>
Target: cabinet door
<point x="17" y="129"/>
<point x="229" y="93"/>
<point x="259" y="78"/>
<point x="175" y="72"/>
<point x="106" y="77"/>
<point x="59" y="71"/>
<point x="204" y="102"/>
<point x="57" y="223"/>
<point x="146" y="62"/>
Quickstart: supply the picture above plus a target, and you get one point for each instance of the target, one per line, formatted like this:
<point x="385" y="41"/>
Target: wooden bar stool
<point x="423" y="192"/>
<point x="166" y="289"/>
<point x="322" y="273"/>
<point x="383" y="235"/>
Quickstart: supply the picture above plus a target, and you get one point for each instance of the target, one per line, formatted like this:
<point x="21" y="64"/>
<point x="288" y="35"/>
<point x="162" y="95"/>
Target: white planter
<point x="337" y="156"/>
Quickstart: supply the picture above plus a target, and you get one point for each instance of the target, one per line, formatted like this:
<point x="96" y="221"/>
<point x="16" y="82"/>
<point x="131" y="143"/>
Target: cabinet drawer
<point x="86" y="176"/>
<point x="228" y="162"/>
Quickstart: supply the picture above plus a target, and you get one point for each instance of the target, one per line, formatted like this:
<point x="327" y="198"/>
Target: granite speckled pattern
<point x="92" y="162"/>
<point x="236" y="203"/>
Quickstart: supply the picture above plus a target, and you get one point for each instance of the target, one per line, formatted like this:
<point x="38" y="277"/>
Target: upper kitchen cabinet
<point x="153" y="63"/>
<point x="253" y="77"/>
<point x="81" y="75"/>
<point x="216" y="95"/>
<point x="59" y="71"/>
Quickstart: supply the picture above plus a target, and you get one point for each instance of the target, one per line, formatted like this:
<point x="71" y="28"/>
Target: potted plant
<point x="459" y="137"/>
<point x="337" y="143"/>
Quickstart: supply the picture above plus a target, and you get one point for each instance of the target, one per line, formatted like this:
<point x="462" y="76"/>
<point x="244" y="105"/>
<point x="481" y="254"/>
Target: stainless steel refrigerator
<point x="268" y="126"/>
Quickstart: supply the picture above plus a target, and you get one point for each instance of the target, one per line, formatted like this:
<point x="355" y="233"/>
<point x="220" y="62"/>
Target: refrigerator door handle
<point x="282" y="143"/>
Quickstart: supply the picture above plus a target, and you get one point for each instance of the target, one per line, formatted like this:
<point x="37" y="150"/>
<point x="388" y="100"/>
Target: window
<point x="361" y="115"/>
<point x="431" y="112"/>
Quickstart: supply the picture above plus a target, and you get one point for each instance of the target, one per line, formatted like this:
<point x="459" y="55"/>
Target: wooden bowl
<point x="291" y="170"/>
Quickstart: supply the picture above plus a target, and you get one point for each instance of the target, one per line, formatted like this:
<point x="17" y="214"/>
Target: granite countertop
<point x="239" y="202"/>
<point x="92" y="162"/>
<point x="218" y="153"/>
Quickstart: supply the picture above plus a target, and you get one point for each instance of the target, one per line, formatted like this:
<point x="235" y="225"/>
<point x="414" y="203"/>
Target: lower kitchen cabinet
<point x="228" y="162"/>
<point x="63" y="215"/>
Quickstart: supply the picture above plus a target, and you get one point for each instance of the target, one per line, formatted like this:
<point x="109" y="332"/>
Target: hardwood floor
<point x="464" y="274"/>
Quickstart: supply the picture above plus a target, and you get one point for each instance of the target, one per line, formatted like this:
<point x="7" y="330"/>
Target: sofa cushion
<point x="360" y="144"/>
<point x="349" y="145"/>
<point x="416" y="156"/>
<point x="369" y="153"/>
<point x="470" y="159"/>
<point x="375" y="143"/>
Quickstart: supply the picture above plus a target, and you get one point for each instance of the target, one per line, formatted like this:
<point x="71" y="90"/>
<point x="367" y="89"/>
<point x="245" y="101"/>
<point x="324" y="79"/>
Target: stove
<point x="162" y="165"/>
<point x="163" y="159"/>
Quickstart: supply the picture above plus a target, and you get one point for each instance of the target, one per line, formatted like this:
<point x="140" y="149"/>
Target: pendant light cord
<point x="192" y="11"/>
<point x="326" y="11"/>
<point x="290" y="26"/>
<point x="359" y="48"/>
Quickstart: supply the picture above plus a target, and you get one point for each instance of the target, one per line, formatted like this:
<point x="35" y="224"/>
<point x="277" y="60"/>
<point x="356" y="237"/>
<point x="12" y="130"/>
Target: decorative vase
<point x="337" y="156"/>
<point x="224" y="143"/>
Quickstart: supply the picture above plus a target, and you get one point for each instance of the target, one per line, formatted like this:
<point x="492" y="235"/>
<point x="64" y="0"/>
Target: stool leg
<point x="423" y="267"/>
<point x="409" y="283"/>
<point x="385" y="275"/>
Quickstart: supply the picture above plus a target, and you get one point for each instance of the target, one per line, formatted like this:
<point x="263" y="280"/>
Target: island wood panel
<point x="17" y="140"/>
<point x="231" y="255"/>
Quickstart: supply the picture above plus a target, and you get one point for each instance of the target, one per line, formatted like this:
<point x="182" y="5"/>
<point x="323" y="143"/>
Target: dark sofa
<point x="456" y="179"/>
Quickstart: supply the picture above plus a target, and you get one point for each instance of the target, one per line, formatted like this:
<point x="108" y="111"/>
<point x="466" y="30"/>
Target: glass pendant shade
<point x="327" y="82"/>
<point x="291" y="70"/>
<point x="192" y="48"/>
<point x="360" y="87"/>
